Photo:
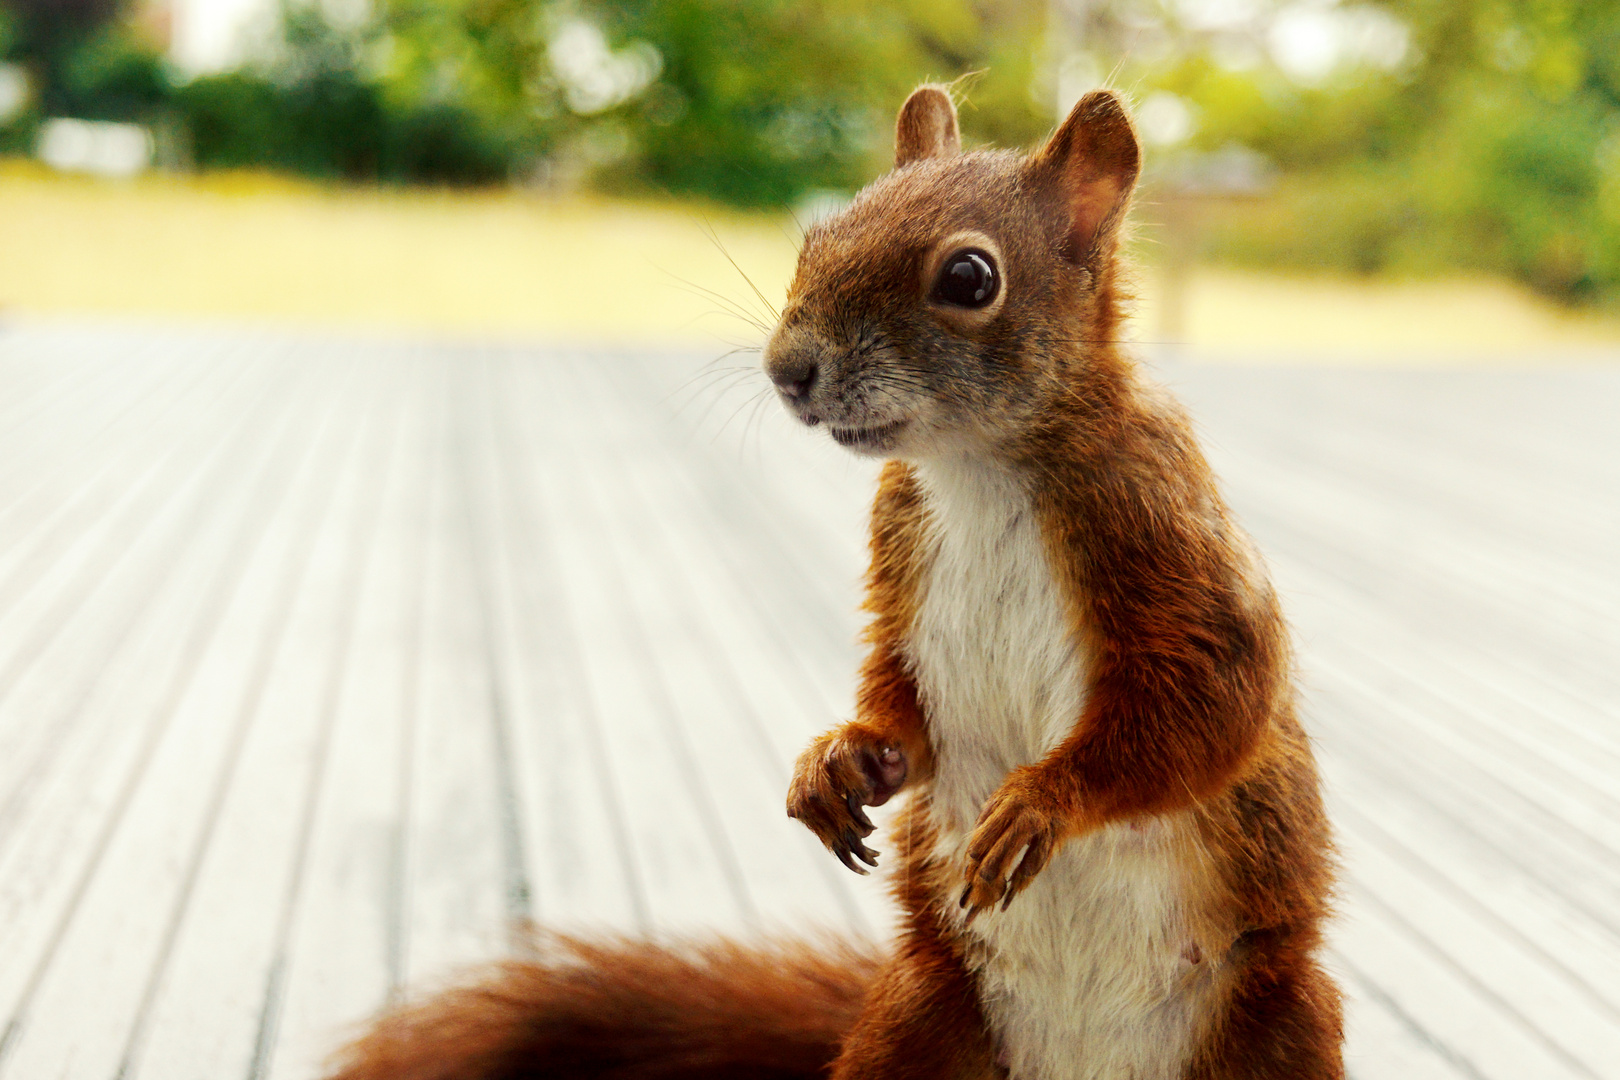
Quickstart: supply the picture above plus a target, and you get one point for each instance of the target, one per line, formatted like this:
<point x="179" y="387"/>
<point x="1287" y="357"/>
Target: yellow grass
<point x="508" y="263"/>
<point x="251" y="247"/>
<point x="1269" y="317"/>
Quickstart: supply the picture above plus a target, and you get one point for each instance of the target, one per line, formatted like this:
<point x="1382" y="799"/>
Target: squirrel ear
<point x="926" y="126"/>
<point x="1093" y="160"/>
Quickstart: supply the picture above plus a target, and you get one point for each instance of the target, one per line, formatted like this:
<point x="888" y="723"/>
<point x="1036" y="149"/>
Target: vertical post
<point x="1076" y="30"/>
<point x="1058" y="48"/>
<point x="1179" y="247"/>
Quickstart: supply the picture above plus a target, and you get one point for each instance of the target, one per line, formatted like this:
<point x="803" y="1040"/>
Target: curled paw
<point x="840" y="775"/>
<point x="1014" y="838"/>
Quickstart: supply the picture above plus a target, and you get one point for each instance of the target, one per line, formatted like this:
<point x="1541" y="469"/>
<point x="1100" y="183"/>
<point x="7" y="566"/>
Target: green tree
<point x="1495" y="145"/>
<point x="746" y="101"/>
<point x="762" y="100"/>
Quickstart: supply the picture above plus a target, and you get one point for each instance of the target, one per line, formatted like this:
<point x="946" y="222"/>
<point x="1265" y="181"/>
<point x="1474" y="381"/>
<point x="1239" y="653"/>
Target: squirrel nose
<point x="794" y="378"/>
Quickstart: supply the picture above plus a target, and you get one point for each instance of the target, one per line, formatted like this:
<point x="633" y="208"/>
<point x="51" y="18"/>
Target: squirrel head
<point x="956" y="299"/>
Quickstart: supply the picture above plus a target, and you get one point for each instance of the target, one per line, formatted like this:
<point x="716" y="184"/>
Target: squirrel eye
<point x="967" y="279"/>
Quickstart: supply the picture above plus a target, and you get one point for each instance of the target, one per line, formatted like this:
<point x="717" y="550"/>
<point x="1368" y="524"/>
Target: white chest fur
<point x="1088" y="974"/>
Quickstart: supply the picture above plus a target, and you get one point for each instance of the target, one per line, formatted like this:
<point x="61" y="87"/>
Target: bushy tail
<point x="631" y="1010"/>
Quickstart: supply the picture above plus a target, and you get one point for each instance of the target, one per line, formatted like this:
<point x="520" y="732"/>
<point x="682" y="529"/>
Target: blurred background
<point x="399" y="547"/>
<point x="1392" y="177"/>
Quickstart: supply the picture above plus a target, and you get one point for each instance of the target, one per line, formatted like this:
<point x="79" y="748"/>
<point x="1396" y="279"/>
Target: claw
<point x="844" y="857"/>
<point x="853" y="844"/>
<point x="1035" y="856"/>
<point x="852" y="800"/>
<point x="967" y="892"/>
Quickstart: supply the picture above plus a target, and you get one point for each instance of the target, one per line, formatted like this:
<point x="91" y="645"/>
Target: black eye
<point x="968" y="279"/>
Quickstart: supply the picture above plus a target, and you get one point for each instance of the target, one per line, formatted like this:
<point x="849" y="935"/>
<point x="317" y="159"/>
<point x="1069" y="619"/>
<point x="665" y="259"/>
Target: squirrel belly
<point x="1097" y="971"/>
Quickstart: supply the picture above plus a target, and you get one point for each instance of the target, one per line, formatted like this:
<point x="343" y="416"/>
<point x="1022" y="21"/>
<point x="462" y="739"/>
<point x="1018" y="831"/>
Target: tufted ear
<point x="1092" y="161"/>
<point x="926" y="126"/>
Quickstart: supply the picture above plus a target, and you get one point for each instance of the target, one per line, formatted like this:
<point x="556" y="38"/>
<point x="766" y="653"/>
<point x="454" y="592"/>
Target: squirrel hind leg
<point x="629" y="1010"/>
<point x="1283" y="1020"/>
<point x="922" y="1020"/>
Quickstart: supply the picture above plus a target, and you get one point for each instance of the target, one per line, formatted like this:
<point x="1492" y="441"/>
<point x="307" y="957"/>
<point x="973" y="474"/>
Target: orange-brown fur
<point x="1189" y="703"/>
<point x="630" y="1010"/>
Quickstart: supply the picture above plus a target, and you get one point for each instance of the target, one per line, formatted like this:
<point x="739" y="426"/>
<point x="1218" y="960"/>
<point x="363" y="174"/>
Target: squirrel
<point x="1113" y="861"/>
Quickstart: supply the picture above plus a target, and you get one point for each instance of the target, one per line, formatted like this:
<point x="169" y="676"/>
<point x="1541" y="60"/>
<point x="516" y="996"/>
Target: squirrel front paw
<point x="840" y="773"/>
<point x="1022" y="816"/>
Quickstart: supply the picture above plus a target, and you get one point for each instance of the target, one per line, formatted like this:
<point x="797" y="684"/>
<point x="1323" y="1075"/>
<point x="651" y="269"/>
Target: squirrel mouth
<point x="878" y="437"/>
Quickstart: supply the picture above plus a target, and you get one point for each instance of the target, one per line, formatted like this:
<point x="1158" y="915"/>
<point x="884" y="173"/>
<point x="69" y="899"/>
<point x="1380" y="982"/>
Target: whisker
<point x="961" y="86"/>
<point x="750" y="401"/>
<point x="716" y="390"/>
<point x="728" y="309"/>
<point x="707" y="379"/>
<point x="714" y="238"/>
<point x="737" y="349"/>
<point x="732" y="307"/>
<point x="756" y="426"/>
<point x="1112" y="341"/>
<point x="796" y="241"/>
<point x="1119" y="64"/>
<point x="759" y="322"/>
<point x="755" y="423"/>
<point x="700" y="316"/>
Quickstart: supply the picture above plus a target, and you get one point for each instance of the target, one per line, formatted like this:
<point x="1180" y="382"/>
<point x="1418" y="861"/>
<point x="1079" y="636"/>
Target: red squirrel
<point x="1113" y="861"/>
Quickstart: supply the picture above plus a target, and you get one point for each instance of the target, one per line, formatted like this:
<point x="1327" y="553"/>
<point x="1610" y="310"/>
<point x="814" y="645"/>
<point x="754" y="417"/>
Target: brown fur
<point x="630" y="1010"/>
<point x="1190" y="703"/>
<point x="1189" y="708"/>
<point x="926" y="123"/>
<point x="922" y="1019"/>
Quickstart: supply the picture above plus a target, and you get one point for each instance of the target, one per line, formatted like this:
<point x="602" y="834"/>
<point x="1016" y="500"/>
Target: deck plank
<point x="687" y="864"/>
<point x="455" y="904"/>
<point x="99" y="954"/>
<point x="224" y="972"/>
<point x="56" y="810"/>
<point x="579" y="847"/>
<point x="338" y="957"/>
<point x="141" y="895"/>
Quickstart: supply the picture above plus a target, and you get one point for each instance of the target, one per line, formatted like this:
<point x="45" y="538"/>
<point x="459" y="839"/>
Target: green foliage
<point x="797" y="113"/>
<point x="111" y="75"/>
<point x="751" y="102"/>
<point x="1493" y="145"/>
<point x="1497" y="149"/>
<point x="47" y="35"/>
<point x="330" y="126"/>
<point x="482" y="62"/>
<point x="316" y="109"/>
<point x="761" y="101"/>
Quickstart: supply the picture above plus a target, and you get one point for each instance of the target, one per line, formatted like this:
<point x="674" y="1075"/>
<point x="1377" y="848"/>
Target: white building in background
<point x="13" y="91"/>
<point x="96" y="147"/>
<point x="215" y="35"/>
<point x="203" y="36"/>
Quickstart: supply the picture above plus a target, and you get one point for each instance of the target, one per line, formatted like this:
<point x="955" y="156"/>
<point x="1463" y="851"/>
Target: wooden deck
<point x="323" y="664"/>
